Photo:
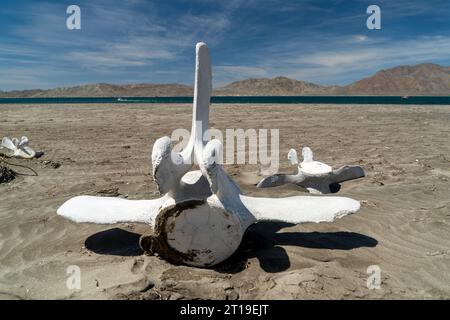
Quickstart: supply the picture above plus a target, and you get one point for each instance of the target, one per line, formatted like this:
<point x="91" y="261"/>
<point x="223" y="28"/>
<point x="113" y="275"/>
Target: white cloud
<point x="224" y="74"/>
<point x="241" y="70"/>
<point x="332" y="59"/>
<point x="134" y="39"/>
<point x="360" y="38"/>
<point x="355" y="62"/>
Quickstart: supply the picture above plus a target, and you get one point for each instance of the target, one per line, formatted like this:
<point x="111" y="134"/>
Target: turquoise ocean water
<point x="422" y="100"/>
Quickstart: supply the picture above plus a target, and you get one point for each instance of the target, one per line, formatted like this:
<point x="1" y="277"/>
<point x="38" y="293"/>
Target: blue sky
<point x="131" y="41"/>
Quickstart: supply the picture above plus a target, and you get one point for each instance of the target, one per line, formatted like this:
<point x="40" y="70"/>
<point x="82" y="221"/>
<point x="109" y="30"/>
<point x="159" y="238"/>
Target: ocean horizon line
<point x="313" y="99"/>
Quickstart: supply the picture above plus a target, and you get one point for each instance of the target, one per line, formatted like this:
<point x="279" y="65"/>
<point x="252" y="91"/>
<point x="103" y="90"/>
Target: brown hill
<point x="107" y="90"/>
<point x="420" y="79"/>
<point x="279" y="86"/>
<point x="20" y="93"/>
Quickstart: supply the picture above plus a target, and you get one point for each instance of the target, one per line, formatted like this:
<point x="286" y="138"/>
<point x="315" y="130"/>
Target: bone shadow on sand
<point x="115" y="241"/>
<point x="264" y="243"/>
<point x="261" y="241"/>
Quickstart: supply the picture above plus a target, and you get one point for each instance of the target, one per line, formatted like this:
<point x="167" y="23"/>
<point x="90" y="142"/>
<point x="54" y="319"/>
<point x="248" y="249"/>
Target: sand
<point x="403" y="226"/>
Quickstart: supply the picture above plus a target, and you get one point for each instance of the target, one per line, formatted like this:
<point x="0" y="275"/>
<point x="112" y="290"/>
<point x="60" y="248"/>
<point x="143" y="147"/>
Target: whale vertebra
<point x="202" y="215"/>
<point x="315" y="176"/>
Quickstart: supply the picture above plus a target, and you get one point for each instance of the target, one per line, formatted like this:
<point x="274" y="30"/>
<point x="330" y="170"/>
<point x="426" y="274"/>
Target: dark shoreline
<point x="411" y="100"/>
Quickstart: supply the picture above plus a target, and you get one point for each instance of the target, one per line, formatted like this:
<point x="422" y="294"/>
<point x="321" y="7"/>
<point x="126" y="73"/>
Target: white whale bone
<point x="221" y="184"/>
<point x="182" y="189"/>
<point x="214" y="229"/>
<point x="192" y="177"/>
<point x="251" y="209"/>
<point x="8" y="143"/>
<point x="300" y="209"/>
<point x="310" y="167"/>
<point x="292" y="156"/>
<point x="168" y="166"/>
<point x="202" y="216"/>
<point x="15" y="142"/>
<point x="109" y="210"/>
<point x="315" y="176"/>
<point x="200" y="111"/>
<point x="18" y="148"/>
<point x="23" y="141"/>
<point x="182" y="162"/>
<point x="307" y="154"/>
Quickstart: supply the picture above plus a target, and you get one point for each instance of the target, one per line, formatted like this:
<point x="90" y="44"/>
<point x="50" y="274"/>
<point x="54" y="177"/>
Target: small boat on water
<point x="405" y="97"/>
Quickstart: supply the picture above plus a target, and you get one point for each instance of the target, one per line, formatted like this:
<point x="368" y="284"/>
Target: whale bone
<point x="18" y="147"/>
<point x="315" y="176"/>
<point x="202" y="215"/>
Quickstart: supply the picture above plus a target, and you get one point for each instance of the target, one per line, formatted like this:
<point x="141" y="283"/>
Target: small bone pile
<point x="18" y="147"/>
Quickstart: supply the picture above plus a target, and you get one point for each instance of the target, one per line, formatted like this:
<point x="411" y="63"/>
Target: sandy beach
<point x="104" y="149"/>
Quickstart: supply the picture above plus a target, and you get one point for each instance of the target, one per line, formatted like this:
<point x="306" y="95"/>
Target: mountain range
<point x="421" y="79"/>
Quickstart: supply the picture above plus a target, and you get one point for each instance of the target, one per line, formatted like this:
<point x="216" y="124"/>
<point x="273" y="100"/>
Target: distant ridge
<point x="106" y="90"/>
<point x="426" y="78"/>
<point x="279" y="86"/>
<point x="421" y="79"/>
